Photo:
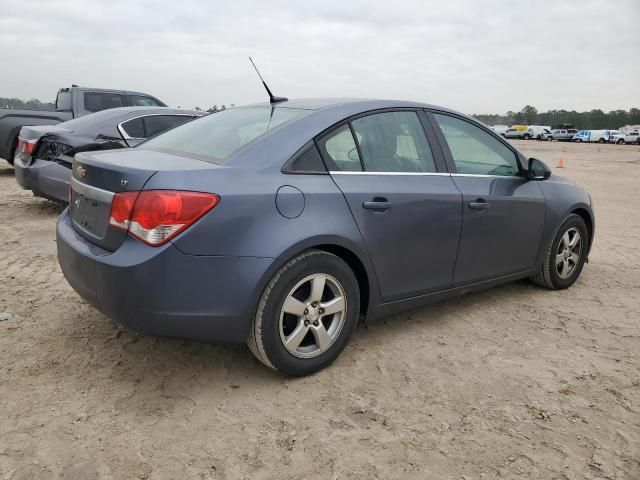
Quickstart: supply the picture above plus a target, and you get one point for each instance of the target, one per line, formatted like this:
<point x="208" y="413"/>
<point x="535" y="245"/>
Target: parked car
<point x="535" y="131"/>
<point x="71" y="103"/>
<point x="516" y="131"/>
<point x="45" y="153"/>
<point x="563" y="135"/>
<point x="500" y="129"/>
<point x="616" y="137"/>
<point x="282" y="224"/>
<point x="630" y="137"/>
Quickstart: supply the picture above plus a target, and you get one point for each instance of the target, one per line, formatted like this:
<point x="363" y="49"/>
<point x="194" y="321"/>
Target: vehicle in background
<point x="500" y="129"/>
<point x="582" y="136"/>
<point x="71" y="103"/>
<point x="632" y="137"/>
<point x="218" y="230"/>
<point x="515" y="131"/>
<point x="616" y="137"/>
<point x="535" y="131"/>
<point x="562" y="135"/>
<point x="594" y="136"/>
<point x="45" y="153"/>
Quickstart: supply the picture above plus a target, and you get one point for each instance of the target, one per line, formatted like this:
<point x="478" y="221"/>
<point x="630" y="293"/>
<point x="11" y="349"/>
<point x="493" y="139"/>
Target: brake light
<point x="156" y="216"/>
<point x="26" y="146"/>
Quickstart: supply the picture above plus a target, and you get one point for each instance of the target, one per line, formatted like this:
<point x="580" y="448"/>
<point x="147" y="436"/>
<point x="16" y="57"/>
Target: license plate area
<point x="90" y="208"/>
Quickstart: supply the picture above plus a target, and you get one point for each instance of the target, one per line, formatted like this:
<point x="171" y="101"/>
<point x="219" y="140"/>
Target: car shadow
<point x="6" y="170"/>
<point x="40" y="206"/>
<point x="153" y="363"/>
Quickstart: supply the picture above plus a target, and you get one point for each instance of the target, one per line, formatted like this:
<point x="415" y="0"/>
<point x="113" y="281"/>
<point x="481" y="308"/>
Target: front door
<point x="503" y="212"/>
<point x="406" y="207"/>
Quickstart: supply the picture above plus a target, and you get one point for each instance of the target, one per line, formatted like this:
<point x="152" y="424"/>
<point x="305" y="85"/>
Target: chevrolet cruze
<point x="281" y="225"/>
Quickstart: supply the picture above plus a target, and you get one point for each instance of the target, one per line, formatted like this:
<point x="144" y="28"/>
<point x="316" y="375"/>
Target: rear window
<point x="216" y="137"/>
<point x="63" y="100"/>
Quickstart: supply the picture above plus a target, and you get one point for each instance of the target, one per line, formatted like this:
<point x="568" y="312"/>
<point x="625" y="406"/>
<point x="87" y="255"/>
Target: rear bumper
<point x="162" y="291"/>
<point x="44" y="178"/>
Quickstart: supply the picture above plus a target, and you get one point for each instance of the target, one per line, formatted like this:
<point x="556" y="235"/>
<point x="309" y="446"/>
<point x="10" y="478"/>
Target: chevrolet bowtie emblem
<point x="80" y="172"/>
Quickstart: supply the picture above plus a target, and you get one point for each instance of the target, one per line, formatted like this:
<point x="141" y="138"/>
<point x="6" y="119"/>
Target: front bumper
<point x="162" y="291"/>
<point x="44" y="178"/>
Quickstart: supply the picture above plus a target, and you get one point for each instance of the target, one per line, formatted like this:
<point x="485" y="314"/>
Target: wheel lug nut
<point x="306" y="310"/>
<point x="321" y="310"/>
<point x="316" y="323"/>
<point x="306" y="323"/>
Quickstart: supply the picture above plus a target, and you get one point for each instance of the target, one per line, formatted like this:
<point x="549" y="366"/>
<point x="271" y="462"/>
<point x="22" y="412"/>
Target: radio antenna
<point x="272" y="99"/>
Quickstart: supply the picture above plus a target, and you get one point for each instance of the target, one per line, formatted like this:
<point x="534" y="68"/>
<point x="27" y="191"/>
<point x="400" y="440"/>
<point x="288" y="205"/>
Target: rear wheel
<point x="549" y="139"/>
<point x="601" y="140"/>
<point x="306" y="314"/>
<point x="12" y="151"/>
<point x="565" y="256"/>
<point x="526" y="136"/>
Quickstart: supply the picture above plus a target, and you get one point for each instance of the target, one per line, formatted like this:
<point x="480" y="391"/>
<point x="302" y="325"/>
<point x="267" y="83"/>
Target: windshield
<point x="216" y="137"/>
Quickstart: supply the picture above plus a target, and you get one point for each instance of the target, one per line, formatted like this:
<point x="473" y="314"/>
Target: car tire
<point x="320" y="339"/>
<point x="539" y="137"/>
<point x="526" y="137"/>
<point x="558" y="270"/>
<point x="549" y="139"/>
<point x="12" y="151"/>
<point x="601" y="140"/>
<point x="620" y="141"/>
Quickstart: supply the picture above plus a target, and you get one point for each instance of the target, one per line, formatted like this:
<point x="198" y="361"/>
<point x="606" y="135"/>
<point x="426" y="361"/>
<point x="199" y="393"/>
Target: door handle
<point x="479" y="204"/>
<point x="377" y="204"/>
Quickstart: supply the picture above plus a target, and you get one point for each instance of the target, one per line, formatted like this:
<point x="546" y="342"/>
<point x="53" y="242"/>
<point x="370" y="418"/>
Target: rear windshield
<point x="216" y="137"/>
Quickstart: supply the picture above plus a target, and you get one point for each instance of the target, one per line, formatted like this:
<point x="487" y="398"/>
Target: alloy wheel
<point x="312" y="315"/>
<point x="568" y="253"/>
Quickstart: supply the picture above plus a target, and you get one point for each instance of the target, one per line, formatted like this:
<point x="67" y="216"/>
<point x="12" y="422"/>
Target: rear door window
<point x="340" y="151"/>
<point x="393" y="142"/>
<point x="97" y="101"/>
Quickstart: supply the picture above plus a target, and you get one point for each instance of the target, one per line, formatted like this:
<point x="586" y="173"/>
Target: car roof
<point x="365" y="104"/>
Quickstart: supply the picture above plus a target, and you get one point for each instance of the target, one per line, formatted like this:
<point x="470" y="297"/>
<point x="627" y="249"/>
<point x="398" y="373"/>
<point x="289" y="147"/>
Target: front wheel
<point x="306" y="314"/>
<point x="601" y="140"/>
<point x="620" y="142"/>
<point x="549" y="139"/>
<point x="565" y="256"/>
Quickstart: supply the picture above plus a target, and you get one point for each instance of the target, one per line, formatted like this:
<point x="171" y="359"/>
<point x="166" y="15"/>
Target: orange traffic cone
<point x="560" y="163"/>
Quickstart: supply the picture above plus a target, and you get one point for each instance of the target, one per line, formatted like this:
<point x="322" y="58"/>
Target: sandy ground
<point x="516" y="382"/>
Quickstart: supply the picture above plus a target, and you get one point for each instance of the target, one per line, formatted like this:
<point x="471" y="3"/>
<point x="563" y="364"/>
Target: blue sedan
<point x="281" y="225"/>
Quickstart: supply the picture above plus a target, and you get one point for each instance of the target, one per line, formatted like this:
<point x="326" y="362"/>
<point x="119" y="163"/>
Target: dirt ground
<point x="517" y="382"/>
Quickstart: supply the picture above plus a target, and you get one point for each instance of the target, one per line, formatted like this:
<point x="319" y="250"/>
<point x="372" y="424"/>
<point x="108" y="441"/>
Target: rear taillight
<point x="26" y="146"/>
<point x="156" y="216"/>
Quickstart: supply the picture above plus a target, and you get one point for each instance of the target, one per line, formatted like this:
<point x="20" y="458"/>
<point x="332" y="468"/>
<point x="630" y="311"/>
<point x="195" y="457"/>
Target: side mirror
<point x="538" y="170"/>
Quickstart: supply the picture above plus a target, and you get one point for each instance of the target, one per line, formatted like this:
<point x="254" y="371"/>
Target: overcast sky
<point x="474" y="56"/>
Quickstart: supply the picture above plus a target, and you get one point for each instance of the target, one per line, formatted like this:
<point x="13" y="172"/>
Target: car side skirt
<point x="390" y="308"/>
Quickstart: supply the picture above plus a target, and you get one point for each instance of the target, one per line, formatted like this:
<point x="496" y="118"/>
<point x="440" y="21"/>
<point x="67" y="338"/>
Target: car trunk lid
<point x="98" y="176"/>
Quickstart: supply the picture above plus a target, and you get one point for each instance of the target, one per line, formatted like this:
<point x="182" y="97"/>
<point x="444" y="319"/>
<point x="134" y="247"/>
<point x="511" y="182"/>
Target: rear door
<point x="404" y="202"/>
<point x="503" y="212"/>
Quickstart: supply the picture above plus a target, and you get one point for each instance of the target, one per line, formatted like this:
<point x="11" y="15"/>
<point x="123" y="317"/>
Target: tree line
<point x="591" y="120"/>
<point x="33" y="104"/>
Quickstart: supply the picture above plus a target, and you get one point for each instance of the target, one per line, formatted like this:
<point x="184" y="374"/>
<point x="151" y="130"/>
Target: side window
<point x="155" y="124"/>
<point x="142" y="101"/>
<point x="339" y="150"/>
<point x="134" y="128"/>
<point x="393" y="142"/>
<point x="307" y="161"/>
<point x="475" y="151"/>
<point x="97" y="101"/>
